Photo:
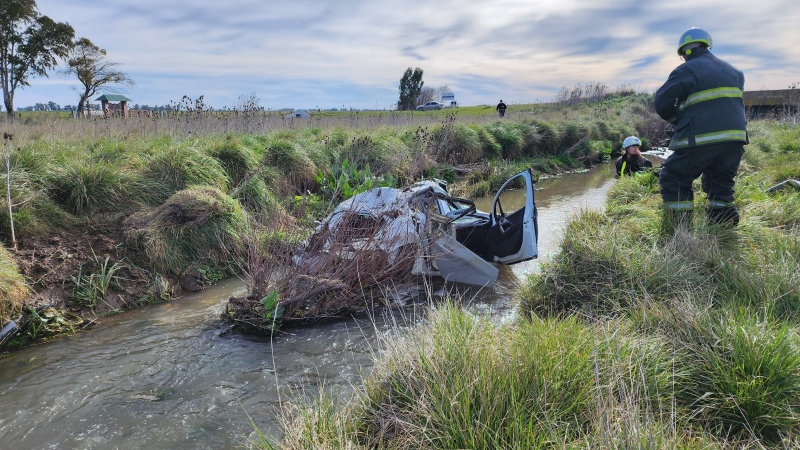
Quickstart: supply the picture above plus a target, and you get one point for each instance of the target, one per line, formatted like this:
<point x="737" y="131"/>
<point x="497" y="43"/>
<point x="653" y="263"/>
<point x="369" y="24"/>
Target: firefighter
<point x="702" y="99"/>
<point x="632" y="161"/>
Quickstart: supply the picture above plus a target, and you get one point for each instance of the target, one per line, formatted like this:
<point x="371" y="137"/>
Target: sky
<point x="321" y="54"/>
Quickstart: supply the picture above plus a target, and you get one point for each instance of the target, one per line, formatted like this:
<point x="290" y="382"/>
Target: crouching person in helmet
<point x="632" y="160"/>
<point x="703" y="99"/>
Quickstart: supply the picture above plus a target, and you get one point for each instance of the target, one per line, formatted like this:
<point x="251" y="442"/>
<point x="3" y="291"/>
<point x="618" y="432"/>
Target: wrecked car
<point x="386" y="238"/>
<point x="448" y="236"/>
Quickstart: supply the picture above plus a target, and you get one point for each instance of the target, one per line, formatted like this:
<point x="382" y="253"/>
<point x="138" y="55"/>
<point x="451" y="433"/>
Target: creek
<point x="163" y="378"/>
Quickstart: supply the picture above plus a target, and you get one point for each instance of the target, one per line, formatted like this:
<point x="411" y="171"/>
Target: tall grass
<point x="183" y="165"/>
<point x="462" y="382"/>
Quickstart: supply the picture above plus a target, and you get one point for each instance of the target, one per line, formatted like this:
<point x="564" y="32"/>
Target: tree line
<point x="53" y="106"/>
<point x="32" y="43"/>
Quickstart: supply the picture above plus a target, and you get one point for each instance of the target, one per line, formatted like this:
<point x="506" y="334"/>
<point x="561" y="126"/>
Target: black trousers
<point x="716" y="163"/>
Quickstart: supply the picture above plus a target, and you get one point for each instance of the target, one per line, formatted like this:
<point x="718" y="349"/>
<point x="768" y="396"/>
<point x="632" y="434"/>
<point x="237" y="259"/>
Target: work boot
<point x="726" y="216"/>
<point x="672" y="219"/>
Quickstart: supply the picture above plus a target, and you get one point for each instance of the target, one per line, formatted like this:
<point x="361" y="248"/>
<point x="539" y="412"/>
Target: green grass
<point x="461" y="382"/>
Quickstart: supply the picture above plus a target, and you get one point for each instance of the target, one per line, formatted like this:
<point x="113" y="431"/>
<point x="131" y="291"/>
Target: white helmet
<point x="631" y="140"/>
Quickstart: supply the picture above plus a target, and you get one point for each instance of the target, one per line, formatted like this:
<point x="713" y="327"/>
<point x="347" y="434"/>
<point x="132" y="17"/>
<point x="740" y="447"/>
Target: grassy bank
<point x="629" y="338"/>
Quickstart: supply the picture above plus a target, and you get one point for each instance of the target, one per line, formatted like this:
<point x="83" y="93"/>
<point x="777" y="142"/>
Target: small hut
<point x="121" y="108"/>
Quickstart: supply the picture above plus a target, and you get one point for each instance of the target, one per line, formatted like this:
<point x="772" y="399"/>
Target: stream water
<point x="163" y="377"/>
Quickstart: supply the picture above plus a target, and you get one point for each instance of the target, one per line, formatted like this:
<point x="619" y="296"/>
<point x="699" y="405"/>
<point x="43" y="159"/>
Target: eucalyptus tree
<point x="30" y="45"/>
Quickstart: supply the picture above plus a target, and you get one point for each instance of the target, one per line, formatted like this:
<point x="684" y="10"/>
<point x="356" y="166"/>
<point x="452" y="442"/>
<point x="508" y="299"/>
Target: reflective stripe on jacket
<point x="703" y="99"/>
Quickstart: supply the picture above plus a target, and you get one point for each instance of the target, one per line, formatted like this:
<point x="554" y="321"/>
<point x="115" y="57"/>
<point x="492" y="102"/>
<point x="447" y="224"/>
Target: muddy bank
<point x="59" y="269"/>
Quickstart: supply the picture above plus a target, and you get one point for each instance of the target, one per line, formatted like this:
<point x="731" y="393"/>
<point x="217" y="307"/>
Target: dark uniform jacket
<point x="627" y="166"/>
<point x="703" y="99"/>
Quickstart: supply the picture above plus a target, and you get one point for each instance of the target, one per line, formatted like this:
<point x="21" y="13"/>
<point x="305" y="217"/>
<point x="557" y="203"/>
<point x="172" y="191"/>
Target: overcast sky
<point x="352" y="53"/>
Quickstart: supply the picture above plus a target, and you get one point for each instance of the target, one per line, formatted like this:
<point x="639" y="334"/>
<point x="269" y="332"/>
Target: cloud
<point x="353" y="52"/>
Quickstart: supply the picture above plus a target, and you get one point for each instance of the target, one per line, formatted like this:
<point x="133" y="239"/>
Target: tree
<point x="427" y="94"/>
<point x="410" y="88"/>
<point x="88" y="62"/>
<point x="30" y="44"/>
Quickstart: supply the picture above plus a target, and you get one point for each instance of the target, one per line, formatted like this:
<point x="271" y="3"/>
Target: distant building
<point x="449" y="100"/>
<point x="298" y="114"/>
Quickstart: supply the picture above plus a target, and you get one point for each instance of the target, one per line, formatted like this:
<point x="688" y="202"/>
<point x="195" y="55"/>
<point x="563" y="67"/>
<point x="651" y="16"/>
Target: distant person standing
<point x="501" y="108"/>
<point x="703" y="99"/>
<point x="632" y="161"/>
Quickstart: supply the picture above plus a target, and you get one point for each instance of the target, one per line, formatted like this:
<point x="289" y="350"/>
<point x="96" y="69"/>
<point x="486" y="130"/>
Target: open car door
<point x="514" y="225"/>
